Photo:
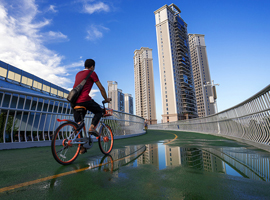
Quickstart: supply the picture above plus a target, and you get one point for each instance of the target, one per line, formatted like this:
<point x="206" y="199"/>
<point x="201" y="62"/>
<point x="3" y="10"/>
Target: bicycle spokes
<point x="64" y="150"/>
<point x="106" y="139"/>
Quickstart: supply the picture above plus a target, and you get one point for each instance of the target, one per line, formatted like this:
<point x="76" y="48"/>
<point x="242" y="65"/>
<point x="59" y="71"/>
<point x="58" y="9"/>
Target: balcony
<point x="190" y="93"/>
<point x="181" y="76"/>
<point x="184" y="70"/>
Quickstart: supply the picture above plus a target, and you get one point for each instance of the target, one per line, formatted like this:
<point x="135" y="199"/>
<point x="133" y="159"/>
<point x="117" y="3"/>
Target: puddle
<point x="233" y="161"/>
<point x="237" y="161"/>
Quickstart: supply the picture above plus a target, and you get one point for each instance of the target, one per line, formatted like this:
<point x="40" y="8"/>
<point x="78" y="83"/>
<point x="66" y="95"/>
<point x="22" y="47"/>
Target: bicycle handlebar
<point x="103" y="102"/>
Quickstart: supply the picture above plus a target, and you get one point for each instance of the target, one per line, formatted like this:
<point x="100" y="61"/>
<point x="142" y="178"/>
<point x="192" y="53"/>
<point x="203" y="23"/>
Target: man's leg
<point x="77" y="118"/>
<point x="98" y="113"/>
<point x="95" y="108"/>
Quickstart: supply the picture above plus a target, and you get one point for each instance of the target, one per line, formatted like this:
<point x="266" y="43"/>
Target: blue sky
<point x="51" y="39"/>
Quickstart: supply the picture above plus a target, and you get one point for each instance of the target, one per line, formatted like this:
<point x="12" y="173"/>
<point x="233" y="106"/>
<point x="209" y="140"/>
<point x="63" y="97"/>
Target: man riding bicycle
<point x="85" y="100"/>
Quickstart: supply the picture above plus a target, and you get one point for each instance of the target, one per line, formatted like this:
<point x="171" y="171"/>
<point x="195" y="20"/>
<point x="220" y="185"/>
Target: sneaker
<point x="83" y="150"/>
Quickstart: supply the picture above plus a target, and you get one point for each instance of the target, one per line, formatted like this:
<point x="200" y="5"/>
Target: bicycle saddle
<point x="79" y="108"/>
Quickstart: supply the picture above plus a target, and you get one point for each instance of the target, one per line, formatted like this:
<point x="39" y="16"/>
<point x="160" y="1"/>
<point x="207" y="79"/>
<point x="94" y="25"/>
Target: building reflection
<point x="231" y="161"/>
<point x="150" y="156"/>
<point x="193" y="158"/>
<point x="212" y="164"/>
<point x="174" y="156"/>
<point x="239" y="161"/>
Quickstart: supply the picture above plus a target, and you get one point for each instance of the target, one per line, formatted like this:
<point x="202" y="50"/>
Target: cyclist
<point x="85" y="100"/>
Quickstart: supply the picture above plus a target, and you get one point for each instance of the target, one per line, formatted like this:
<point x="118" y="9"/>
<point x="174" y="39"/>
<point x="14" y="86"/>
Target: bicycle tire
<point x="105" y="140"/>
<point x="106" y="163"/>
<point x="65" y="153"/>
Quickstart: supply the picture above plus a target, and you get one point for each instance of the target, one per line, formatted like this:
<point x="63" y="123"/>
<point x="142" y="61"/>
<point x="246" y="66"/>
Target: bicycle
<point x="67" y="149"/>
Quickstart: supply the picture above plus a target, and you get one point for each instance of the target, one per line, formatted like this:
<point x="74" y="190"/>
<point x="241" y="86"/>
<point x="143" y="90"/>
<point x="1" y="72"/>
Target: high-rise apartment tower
<point x="128" y="103"/>
<point x="144" y="85"/>
<point x="201" y="74"/>
<point x="176" y="78"/>
<point x="118" y="100"/>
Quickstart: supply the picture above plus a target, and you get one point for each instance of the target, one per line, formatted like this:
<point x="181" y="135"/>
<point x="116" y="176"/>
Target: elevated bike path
<point x="157" y="165"/>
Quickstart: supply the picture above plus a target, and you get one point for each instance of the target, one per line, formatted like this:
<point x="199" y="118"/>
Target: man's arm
<point x="103" y="92"/>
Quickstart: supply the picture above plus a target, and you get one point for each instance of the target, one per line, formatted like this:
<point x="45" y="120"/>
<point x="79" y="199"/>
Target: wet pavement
<point x="158" y="165"/>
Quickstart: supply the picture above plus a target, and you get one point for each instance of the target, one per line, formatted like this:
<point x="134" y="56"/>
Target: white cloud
<point x="52" y="36"/>
<point x="97" y="7"/>
<point x="57" y="34"/>
<point x="95" y="32"/>
<point x="93" y="93"/>
<point x="76" y="64"/>
<point x="52" y="9"/>
<point x="22" y="42"/>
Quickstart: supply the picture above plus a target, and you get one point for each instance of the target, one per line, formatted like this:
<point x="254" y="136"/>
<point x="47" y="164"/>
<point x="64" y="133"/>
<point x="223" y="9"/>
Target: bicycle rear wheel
<point x="63" y="151"/>
<point x="105" y="140"/>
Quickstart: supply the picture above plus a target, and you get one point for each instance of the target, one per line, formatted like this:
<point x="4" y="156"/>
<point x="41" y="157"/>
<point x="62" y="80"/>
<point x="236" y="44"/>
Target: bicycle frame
<point x="82" y="128"/>
<point x="74" y="136"/>
<point x="102" y="124"/>
<point x="79" y="129"/>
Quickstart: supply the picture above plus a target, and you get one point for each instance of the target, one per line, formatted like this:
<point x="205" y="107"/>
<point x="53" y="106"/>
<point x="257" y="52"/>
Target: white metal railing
<point x="28" y="117"/>
<point x="252" y="164"/>
<point x="249" y="120"/>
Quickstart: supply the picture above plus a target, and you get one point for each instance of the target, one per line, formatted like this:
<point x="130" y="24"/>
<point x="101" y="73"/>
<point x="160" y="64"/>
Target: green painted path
<point x="157" y="165"/>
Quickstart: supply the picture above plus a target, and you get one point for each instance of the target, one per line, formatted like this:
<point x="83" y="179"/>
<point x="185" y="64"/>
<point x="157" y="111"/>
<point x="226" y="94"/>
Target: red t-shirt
<point x="84" y="96"/>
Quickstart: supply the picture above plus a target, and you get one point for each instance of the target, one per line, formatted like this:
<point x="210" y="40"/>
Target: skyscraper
<point x="176" y="78"/>
<point x="144" y="85"/>
<point x="128" y="103"/>
<point x="117" y="96"/>
<point x="201" y="74"/>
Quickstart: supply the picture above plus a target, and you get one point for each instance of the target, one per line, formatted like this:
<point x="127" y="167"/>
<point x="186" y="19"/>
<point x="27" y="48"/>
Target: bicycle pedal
<point x="89" y="144"/>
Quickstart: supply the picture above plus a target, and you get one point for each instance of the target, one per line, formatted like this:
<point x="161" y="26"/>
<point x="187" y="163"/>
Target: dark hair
<point x="89" y="63"/>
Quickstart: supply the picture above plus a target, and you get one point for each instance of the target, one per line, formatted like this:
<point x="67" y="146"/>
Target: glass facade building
<point x="119" y="101"/>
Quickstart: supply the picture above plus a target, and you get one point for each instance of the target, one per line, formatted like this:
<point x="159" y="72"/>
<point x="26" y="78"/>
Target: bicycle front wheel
<point x="63" y="151"/>
<point x="106" y="163"/>
<point x="105" y="140"/>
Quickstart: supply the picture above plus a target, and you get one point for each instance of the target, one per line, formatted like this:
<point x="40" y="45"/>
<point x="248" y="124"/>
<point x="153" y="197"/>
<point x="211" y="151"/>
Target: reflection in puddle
<point x="239" y="162"/>
<point x="232" y="161"/>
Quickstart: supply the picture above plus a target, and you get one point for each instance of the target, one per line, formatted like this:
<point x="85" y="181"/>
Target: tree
<point x="3" y="117"/>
